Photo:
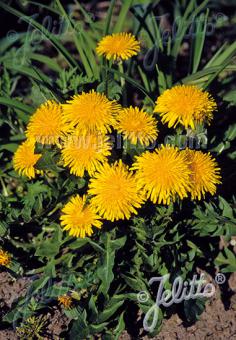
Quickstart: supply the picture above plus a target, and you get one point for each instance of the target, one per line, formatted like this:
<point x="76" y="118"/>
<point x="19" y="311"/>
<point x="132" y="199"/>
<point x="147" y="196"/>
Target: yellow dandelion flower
<point x="25" y="159"/>
<point x="82" y="153"/>
<point x="118" y="46"/>
<point x="5" y="258"/>
<point x="205" y="173"/>
<point x="185" y="104"/>
<point x="163" y="174"/>
<point x="78" y="217"/>
<point x="136" y="125"/>
<point x="90" y="112"/>
<point x="46" y="125"/>
<point x="114" y="190"/>
<point x="65" y="300"/>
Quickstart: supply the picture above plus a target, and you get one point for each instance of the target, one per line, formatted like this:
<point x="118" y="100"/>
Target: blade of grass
<point x="6" y="43"/>
<point x="161" y="80"/>
<point x="145" y="81"/>
<point x="203" y="73"/>
<point x="186" y="20"/>
<point x="157" y="33"/>
<point x="49" y="8"/>
<point x="28" y="71"/>
<point x="199" y="42"/>
<point x="214" y="59"/>
<point x="54" y="41"/>
<point x="15" y="104"/>
<point x="77" y="39"/>
<point x="142" y="23"/>
<point x="87" y="16"/>
<point x="123" y="13"/>
<point x="108" y="18"/>
<point x="86" y="47"/>
<point x="228" y="53"/>
<point x="86" y="35"/>
<point x="214" y="75"/>
<point x="34" y="73"/>
<point x="222" y="61"/>
<point x="45" y="60"/>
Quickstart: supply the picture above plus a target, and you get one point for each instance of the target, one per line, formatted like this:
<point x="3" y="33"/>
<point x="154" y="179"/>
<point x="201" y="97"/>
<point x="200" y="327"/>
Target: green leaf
<point x="190" y="13"/>
<point x="34" y="190"/>
<point x="202" y="76"/>
<point x="50" y="269"/>
<point x="48" y="248"/>
<point x="95" y="329"/>
<point x="15" y="104"/>
<point x="194" y="308"/>
<point x="93" y="309"/>
<point x="199" y="39"/>
<point x="51" y="63"/>
<point x="38" y="285"/>
<point x="133" y="82"/>
<point x="80" y="328"/>
<point x="78" y="243"/>
<point x="225" y="53"/>
<point x="48" y="161"/>
<point x="108" y="17"/>
<point x="83" y="52"/>
<point x="225" y="206"/>
<point x="105" y="271"/>
<point x="6" y="43"/>
<point x="135" y="283"/>
<point x="122" y="16"/>
<point x="3" y="228"/>
<point x="113" y="89"/>
<point x="227" y="260"/>
<point x="109" y="312"/>
<point x="52" y="38"/>
<point x="111" y="307"/>
<point x="12" y="147"/>
<point x="120" y="327"/>
<point x="35" y="75"/>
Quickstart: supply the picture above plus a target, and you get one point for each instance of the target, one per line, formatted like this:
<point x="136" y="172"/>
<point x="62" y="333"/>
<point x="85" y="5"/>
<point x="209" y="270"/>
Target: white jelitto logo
<point x="181" y="290"/>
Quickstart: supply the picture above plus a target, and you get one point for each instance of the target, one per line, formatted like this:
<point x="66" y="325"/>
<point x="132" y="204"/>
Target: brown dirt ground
<point x="216" y="322"/>
<point x="10" y="290"/>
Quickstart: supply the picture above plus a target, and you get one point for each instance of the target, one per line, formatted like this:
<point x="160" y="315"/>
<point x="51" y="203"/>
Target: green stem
<point x="57" y="207"/>
<point x="4" y="188"/>
<point x="121" y="69"/>
<point x="122" y="82"/>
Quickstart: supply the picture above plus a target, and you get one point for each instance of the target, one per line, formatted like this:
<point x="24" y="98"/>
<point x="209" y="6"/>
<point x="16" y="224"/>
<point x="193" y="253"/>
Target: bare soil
<point x="217" y="322"/>
<point x="11" y="290"/>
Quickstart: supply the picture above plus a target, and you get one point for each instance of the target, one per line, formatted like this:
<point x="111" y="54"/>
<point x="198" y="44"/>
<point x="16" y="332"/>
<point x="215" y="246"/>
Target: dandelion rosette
<point x="205" y="173"/>
<point x="90" y="112"/>
<point x="5" y="258"/>
<point x="163" y="174"/>
<point x="46" y="125"/>
<point x="86" y="152"/>
<point x="186" y="105"/>
<point x="24" y="159"/>
<point x="118" y="46"/>
<point x="136" y="125"/>
<point x="115" y="193"/>
<point x="78" y="217"/>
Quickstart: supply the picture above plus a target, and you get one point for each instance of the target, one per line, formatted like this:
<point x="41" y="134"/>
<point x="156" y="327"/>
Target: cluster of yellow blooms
<point x="80" y="129"/>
